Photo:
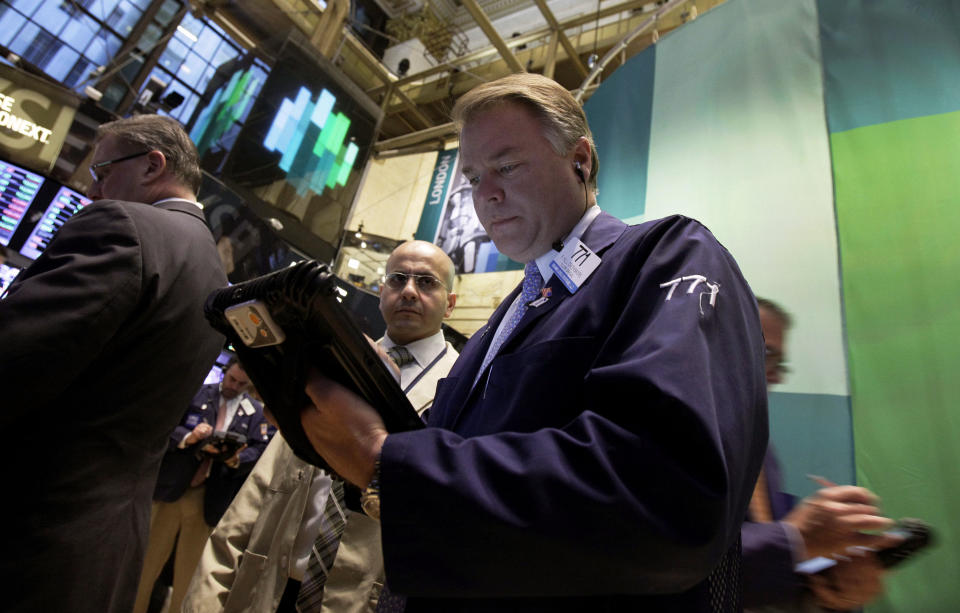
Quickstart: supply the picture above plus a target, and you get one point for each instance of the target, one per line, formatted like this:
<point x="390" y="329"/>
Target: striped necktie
<point x="324" y="551"/>
<point x="400" y="354"/>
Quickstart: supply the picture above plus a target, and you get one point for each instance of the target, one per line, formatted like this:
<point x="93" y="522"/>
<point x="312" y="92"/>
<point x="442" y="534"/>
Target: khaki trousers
<point x="172" y="524"/>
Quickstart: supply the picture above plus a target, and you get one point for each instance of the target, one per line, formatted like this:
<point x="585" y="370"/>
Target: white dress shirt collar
<point x="543" y="262"/>
<point x="193" y="202"/>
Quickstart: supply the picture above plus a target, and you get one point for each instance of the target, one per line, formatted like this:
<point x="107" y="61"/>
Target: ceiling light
<point x="187" y="33"/>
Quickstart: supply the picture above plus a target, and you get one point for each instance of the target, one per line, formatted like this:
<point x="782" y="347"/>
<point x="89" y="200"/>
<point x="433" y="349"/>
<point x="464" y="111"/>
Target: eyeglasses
<point x="425" y="283"/>
<point x="95" y="167"/>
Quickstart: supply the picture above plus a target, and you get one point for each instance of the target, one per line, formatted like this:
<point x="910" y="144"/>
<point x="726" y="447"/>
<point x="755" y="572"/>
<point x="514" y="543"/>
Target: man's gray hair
<point x="562" y="118"/>
<point x="164" y="134"/>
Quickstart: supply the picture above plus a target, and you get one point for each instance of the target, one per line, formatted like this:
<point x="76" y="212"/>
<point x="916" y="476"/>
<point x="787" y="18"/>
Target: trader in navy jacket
<point x="193" y="492"/>
<point x="599" y="455"/>
<point x="780" y="532"/>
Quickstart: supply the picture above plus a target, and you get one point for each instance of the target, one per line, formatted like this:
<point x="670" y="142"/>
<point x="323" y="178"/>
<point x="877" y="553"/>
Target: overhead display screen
<point x="18" y="189"/>
<point x="306" y="141"/>
<point x="61" y="208"/>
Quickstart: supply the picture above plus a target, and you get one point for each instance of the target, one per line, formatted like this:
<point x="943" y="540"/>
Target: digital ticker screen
<point x="61" y="208"/>
<point x="18" y="188"/>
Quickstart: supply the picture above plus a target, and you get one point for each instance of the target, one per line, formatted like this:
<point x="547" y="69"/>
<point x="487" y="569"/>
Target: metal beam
<point x="444" y="131"/>
<point x="550" y="65"/>
<point x="513" y="42"/>
<point x="412" y="107"/>
<point x="647" y="24"/>
<point x="567" y="45"/>
<point x="484" y="22"/>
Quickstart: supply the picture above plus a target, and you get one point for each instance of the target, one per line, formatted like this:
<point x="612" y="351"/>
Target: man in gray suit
<point x="259" y="554"/>
<point x="103" y="344"/>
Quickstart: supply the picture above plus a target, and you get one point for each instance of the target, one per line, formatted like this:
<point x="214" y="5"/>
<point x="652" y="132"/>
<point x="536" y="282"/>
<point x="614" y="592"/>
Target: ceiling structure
<point x="452" y="45"/>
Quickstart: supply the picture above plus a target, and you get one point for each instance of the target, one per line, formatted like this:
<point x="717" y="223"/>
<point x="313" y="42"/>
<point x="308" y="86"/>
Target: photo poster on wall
<point x="450" y="221"/>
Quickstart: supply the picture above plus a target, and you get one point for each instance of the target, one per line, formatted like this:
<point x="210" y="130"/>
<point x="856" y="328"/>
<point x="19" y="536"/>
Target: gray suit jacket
<point x="247" y="560"/>
<point x="103" y="344"/>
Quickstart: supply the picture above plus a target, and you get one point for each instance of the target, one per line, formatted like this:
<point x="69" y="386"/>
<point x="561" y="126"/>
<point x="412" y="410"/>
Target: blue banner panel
<point x="886" y="60"/>
<point x="619" y="115"/>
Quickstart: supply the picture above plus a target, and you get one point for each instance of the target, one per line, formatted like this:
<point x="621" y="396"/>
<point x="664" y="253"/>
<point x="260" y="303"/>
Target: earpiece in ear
<point x="579" y="171"/>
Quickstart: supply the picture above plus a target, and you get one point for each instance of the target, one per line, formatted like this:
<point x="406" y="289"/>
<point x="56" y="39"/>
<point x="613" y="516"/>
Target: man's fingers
<point x="866" y="523"/>
<point x="842" y="509"/>
<point x="848" y="494"/>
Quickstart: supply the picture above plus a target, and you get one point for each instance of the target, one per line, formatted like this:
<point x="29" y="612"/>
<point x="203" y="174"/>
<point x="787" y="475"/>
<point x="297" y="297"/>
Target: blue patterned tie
<point x="532" y="282"/>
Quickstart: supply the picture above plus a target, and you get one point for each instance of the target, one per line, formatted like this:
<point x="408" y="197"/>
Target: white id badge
<point x="574" y="265"/>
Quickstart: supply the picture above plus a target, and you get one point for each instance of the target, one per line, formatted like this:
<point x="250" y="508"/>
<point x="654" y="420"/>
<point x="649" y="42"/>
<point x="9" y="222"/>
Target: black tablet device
<point x="226" y="444"/>
<point x="283" y="323"/>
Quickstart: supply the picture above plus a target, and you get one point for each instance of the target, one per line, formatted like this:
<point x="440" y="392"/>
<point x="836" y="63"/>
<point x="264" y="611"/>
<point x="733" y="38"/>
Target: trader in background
<point x="272" y="549"/>
<point x="596" y="444"/>
<point x="104" y="343"/>
<point x="779" y="533"/>
<point x="198" y="479"/>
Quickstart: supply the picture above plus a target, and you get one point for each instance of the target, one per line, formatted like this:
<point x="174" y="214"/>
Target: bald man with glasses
<point x="104" y="344"/>
<point x="259" y="557"/>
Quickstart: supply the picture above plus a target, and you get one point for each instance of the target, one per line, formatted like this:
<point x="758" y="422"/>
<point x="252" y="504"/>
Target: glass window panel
<point x="42" y="49"/>
<point x="96" y="51"/>
<point x="224" y="53"/>
<point x="132" y="68"/>
<point x="123" y="18"/>
<point x="173" y="55"/>
<point x="182" y="113"/>
<point x="79" y="32"/>
<point x="79" y="73"/>
<point x="209" y="39"/>
<point x="27" y="7"/>
<point x="100" y="8"/>
<point x="159" y="73"/>
<point x="51" y="17"/>
<point x="10" y="24"/>
<point x="24" y="38"/>
<point x="62" y="62"/>
<point x="151" y="35"/>
<point x="110" y="43"/>
<point x="205" y="80"/>
<point x="189" y="26"/>
<point x="113" y="95"/>
<point x="167" y="12"/>
<point x="141" y="4"/>
<point x="192" y="70"/>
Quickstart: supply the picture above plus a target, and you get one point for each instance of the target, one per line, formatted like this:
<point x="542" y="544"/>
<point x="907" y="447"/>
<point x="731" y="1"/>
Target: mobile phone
<point x="254" y="324"/>
<point x="916" y="535"/>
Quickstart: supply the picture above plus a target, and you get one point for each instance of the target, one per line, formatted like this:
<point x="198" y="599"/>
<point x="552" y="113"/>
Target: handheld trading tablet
<point x="283" y="323"/>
